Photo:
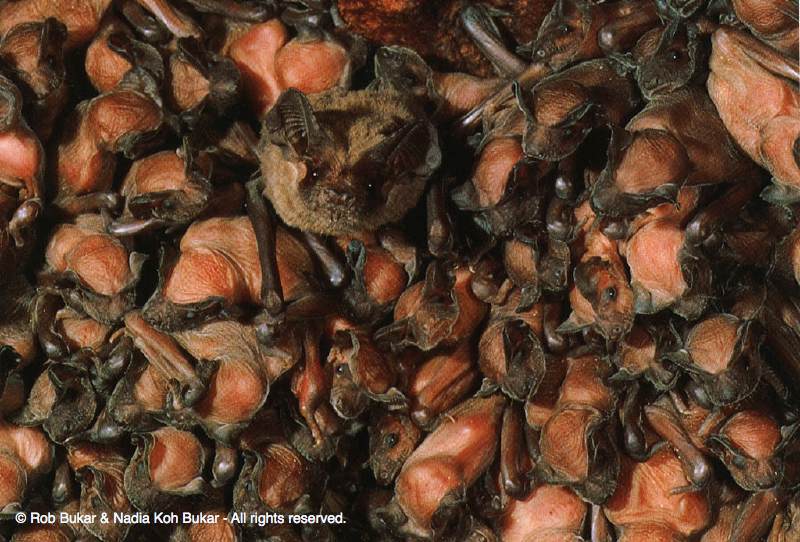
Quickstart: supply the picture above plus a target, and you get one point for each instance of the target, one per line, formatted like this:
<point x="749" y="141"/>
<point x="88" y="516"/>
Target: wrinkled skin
<point x="663" y="417"/>
<point x="105" y="66"/>
<point x="35" y="57"/>
<point x="667" y="59"/>
<point x="62" y="400"/>
<point x="495" y="168"/>
<point x="540" y="405"/>
<point x="159" y="184"/>
<point x="204" y="279"/>
<point x="573" y="31"/>
<point x="166" y="465"/>
<point x="772" y="21"/>
<point x="510" y="349"/>
<point x="225" y="387"/>
<point x="347" y="399"/>
<point x="75" y="329"/>
<point x="81" y="17"/>
<point x="274" y="478"/>
<point x="21" y="169"/>
<point x="752" y="87"/>
<point x="548" y="514"/>
<point x="679" y="137"/>
<point x="455" y="360"/>
<point x="162" y="190"/>
<point x="311" y="385"/>
<point x="101" y="270"/>
<point x="576" y="449"/>
<point x="516" y="464"/>
<point x="748" y="445"/>
<point x="360" y="368"/>
<point x="239" y="386"/>
<point x="101" y="470"/>
<point x="566" y="106"/>
<point x="434" y="478"/>
<point x="535" y="269"/>
<point x="590" y="30"/>
<point x="271" y="63"/>
<point x="166" y="359"/>
<point x="748" y="518"/>
<point x="723" y="358"/>
<point x="381" y="272"/>
<point x="393" y="437"/>
<point x="601" y="296"/>
<point x="25" y="455"/>
<point x="505" y="189"/>
<point x="202" y="84"/>
<point x="660" y="240"/>
<point x="747" y="441"/>
<point x="722" y="527"/>
<point x="658" y="249"/>
<point x="440" y="383"/>
<point x="140" y="396"/>
<point x="644" y="506"/>
<point x="441" y="310"/>
<point x="119" y="121"/>
<point x="173" y="19"/>
<point x="325" y="177"/>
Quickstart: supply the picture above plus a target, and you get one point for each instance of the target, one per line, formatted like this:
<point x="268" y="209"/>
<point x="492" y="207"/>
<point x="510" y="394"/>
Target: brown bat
<point x="343" y="162"/>
<point x="754" y="89"/>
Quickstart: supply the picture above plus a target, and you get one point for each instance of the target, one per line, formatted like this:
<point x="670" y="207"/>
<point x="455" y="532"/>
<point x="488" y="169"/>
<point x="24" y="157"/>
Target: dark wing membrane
<point x="405" y="150"/>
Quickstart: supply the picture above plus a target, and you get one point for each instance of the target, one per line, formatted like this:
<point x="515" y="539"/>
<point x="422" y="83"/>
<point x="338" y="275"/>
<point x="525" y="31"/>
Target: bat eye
<point x="315" y="171"/>
<point x="610" y="293"/>
<point x="391" y="440"/>
<point x="675" y="55"/>
<point x="372" y="190"/>
<point x="739" y="461"/>
<point x="564" y="29"/>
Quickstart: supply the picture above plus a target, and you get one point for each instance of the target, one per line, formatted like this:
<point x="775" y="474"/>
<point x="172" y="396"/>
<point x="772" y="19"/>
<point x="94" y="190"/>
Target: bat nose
<point x="338" y="196"/>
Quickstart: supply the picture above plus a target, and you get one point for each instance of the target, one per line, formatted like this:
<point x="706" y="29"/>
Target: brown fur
<point x="337" y="201"/>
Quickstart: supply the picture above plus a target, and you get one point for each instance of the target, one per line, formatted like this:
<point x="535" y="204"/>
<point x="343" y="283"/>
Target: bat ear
<point x="578" y="113"/>
<point x="586" y="275"/>
<point x="573" y="324"/>
<point x="413" y="147"/>
<point x="668" y="36"/>
<point x="521" y="103"/>
<point x="401" y="69"/>
<point x="623" y="63"/>
<point x="53" y="35"/>
<point x="295" y="117"/>
<point x="620" y="138"/>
